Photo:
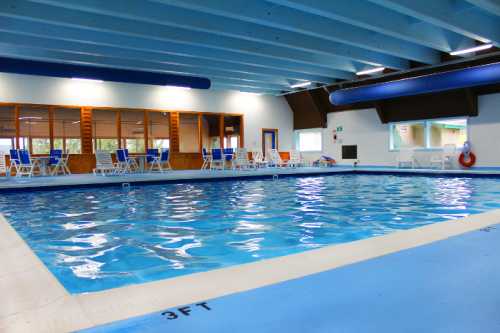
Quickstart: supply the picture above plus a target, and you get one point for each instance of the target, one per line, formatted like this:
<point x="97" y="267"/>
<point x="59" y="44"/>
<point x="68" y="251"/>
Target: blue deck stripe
<point x="447" y="286"/>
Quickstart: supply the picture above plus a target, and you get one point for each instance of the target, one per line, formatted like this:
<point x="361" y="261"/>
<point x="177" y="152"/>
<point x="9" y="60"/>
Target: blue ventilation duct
<point x="35" y="67"/>
<point x="456" y="79"/>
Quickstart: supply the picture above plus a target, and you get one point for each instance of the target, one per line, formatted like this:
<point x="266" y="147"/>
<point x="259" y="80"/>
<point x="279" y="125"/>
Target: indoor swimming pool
<point x="97" y="238"/>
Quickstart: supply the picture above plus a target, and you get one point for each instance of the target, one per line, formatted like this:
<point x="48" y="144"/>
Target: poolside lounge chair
<point x="406" y="158"/>
<point x="218" y="159"/>
<point x="26" y="167"/>
<point x="104" y="164"/>
<point x="125" y="163"/>
<point x="241" y="160"/>
<point x="258" y="159"/>
<point x="444" y="160"/>
<point x="162" y="162"/>
<point x="206" y="159"/>
<point x="228" y="155"/>
<point x="14" y="160"/>
<point x="274" y="158"/>
<point x="131" y="161"/>
<point x="296" y="159"/>
<point x="58" y="162"/>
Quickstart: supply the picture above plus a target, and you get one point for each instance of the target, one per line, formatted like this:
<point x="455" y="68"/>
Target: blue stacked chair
<point x="14" y="160"/>
<point x="217" y="159"/>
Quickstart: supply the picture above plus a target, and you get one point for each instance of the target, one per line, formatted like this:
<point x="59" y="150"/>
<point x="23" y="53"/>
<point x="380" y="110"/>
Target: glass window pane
<point x="210" y="131"/>
<point x="188" y="133"/>
<point x="104" y="130"/>
<point x="310" y="141"/>
<point x="408" y="135"/>
<point x="448" y="132"/>
<point x="132" y="125"/>
<point x="34" y="127"/>
<point x="158" y="129"/>
<point x="67" y="129"/>
<point x="7" y="128"/>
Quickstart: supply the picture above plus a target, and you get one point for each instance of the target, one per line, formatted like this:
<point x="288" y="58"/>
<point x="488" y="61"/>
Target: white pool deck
<point x="33" y="300"/>
<point x="194" y="175"/>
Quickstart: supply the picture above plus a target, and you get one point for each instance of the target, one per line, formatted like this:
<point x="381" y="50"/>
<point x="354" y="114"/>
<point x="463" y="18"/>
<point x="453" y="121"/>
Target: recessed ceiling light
<point x="86" y="80"/>
<point x="472" y="49"/>
<point x="370" y="71"/>
<point x="301" y="85"/>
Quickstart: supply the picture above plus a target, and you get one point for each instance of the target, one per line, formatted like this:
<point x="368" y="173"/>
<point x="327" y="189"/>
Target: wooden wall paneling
<point x="185" y="161"/>
<point x="200" y="133"/>
<point x="146" y="134"/>
<point x="86" y="130"/>
<point x="174" y="132"/>
<point x="221" y="130"/>
<point x="16" y="119"/>
<point x="51" y="127"/>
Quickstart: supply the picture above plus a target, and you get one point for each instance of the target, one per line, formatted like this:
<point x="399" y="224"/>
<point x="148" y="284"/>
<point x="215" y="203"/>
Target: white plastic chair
<point x="296" y="159"/>
<point x="444" y="160"/>
<point x="406" y="158"/>
<point x="104" y="164"/>
<point x="274" y="158"/>
<point x="241" y="160"/>
<point x="258" y="159"/>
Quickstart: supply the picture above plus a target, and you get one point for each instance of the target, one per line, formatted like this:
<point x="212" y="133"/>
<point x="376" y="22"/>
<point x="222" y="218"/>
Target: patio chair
<point x="406" y="158"/>
<point x="14" y="160"/>
<point x="58" y="162"/>
<point x="206" y="159"/>
<point x="274" y="158"/>
<point x="134" y="166"/>
<point x="444" y="159"/>
<point x="258" y="160"/>
<point x="228" y="155"/>
<point x="152" y="154"/>
<point x="241" y="160"/>
<point x="296" y="159"/>
<point x="161" y="162"/>
<point x="122" y="162"/>
<point x="217" y="160"/>
<point x="26" y="167"/>
<point x="104" y="164"/>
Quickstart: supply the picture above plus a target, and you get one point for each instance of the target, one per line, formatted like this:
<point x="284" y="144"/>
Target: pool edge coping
<point x="55" y="310"/>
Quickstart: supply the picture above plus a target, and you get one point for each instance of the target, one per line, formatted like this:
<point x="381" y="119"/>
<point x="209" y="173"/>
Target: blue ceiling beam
<point x="469" y="21"/>
<point x="217" y="86"/>
<point x="371" y="16"/>
<point x="262" y="37"/>
<point x="54" y="20"/>
<point x="78" y="47"/>
<point x="241" y="86"/>
<point x="100" y="61"/>
<point x="52" y="69"/>
<point x="492" y="6"/>
<point x="341" y="68"/>
<point x="244" y="19"/>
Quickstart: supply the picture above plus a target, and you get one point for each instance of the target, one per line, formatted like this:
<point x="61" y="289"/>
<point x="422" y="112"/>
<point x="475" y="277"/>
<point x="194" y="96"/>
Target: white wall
<point x="259" y="111"/>
<point x="363" y="128"/>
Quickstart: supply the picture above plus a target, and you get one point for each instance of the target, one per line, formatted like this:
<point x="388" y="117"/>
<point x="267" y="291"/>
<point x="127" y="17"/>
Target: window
<point x="188" y="133"/>
<point x="428" y="134"/>
<point x="34" y="129"/>
<point x="158" y="129"/>
<point x="233" y="142"/>
<point x="104" y="130"/>
<point x="408" y="135"/>
<point x="7" y="128"/>
<point x="309" y="140"/>
<point x="132" y="125"/>
<point x="67" y="130"/>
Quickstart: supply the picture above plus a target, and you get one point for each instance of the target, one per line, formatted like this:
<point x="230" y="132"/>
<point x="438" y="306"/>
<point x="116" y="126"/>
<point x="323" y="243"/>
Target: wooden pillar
<point x="146" y="134"/>
<point x="221" y="130"/>
<point x="51" y="127"/>
<point x="242" y="133"/>
<point x="200" y="132"/>
<point x="174" y="132"/>
<point x="18" y="129"/>
<point x="86" y="130"/>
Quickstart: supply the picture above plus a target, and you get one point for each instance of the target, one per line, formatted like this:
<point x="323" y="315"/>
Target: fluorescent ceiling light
<point x="472" y="49"/>
<point x="370" y="71"/>
<point x="178" y="88"/>
<point x="86" y="80"/>
<point x="250" y="93"/>
<point x="301" y="85"/>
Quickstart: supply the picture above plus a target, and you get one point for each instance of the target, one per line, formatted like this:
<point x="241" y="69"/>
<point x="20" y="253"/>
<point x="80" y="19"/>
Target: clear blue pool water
<point x="99" y="238"/>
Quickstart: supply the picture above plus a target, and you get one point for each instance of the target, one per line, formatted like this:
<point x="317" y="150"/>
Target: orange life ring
<point x="470" y="162"/>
